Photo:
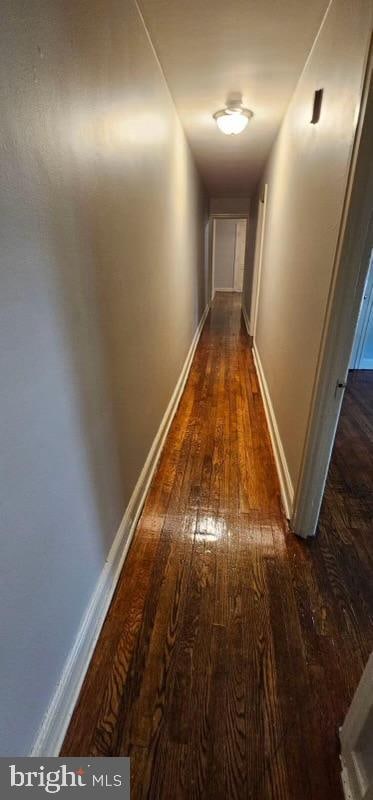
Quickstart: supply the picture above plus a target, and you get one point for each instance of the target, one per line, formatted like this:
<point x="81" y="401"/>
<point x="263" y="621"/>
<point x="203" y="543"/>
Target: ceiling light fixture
<point x="232" y="119"/>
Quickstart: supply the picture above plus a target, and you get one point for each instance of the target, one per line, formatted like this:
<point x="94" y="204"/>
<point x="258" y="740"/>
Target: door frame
<point x="236" y="264"/>
<point x="258" y="260"/>
<point x="354" y="774"/>
<point x="213" y="218"/>
<point x="349" y="275"/>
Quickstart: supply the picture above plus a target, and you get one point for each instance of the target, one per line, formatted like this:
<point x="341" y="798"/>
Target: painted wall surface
<point x="307" y="177"/>
<point x="224" y="253"/>
<point x="230" y="205"/>
<point x="102" y="287"/>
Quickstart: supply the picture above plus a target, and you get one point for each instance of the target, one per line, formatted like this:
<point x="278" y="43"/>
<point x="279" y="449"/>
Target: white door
<point x="362" y="353"/>
<point x="224" y="254"/>
<point x="356" y="737"/>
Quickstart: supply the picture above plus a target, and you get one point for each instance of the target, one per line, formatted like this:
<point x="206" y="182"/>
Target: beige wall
<point x="229" y="205"/>
<point x="306" y="176"/>
<point x="102" y="287"/>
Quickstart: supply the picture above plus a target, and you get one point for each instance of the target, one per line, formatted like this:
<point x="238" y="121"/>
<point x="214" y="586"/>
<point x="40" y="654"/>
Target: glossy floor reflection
<point x="231" y="650"/>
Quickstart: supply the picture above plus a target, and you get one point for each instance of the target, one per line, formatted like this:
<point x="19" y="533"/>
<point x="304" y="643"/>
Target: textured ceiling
<point x="212" y="48"/>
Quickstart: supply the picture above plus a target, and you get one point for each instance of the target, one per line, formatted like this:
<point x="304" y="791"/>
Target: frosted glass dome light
<point x="232" y="121"/>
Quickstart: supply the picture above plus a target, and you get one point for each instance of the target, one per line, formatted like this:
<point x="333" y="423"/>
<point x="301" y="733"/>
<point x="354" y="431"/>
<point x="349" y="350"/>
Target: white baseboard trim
<point x="51" y="734"/>
<point x="286" y="486"/>
<point x="246" y="321"/>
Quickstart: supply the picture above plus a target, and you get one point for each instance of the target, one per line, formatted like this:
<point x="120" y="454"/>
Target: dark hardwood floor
<point x="231" y="649"/>
<point x="346" y="520"/>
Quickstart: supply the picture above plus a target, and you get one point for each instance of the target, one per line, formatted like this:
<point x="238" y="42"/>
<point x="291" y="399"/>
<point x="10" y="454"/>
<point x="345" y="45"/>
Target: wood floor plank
<point x="231" y="649"/>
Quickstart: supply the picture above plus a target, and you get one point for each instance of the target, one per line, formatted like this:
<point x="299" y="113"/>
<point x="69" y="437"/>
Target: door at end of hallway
<point x="229" y="235"/>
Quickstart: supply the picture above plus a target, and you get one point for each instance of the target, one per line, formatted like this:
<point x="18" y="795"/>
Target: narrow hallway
<point x="229" y="655"/>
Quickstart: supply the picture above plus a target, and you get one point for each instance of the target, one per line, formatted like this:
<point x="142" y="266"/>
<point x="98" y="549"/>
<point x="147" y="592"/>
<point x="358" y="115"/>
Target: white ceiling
<point x="211" y="48"/>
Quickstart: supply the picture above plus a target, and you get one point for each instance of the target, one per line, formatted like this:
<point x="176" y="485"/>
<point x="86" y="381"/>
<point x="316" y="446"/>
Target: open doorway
<point x="362" y="351"/>
<point x="228" y="253"/>
<point x="348" y="498"/>
<point x="339" y="445"/>
<point x="346" y="519"/>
